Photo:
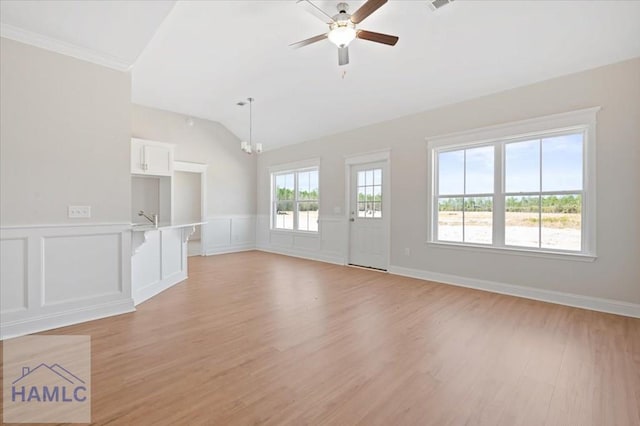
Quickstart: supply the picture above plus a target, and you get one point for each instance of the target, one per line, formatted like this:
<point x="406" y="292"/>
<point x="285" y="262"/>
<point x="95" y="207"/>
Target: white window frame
<point x="295" y="168"/>
<point x="570" y="122"/>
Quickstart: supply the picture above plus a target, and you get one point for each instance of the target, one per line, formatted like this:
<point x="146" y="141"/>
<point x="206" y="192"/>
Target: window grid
<point x="295" y="200"/>
<point x="468" y="203"/>
<point x="500" y="196"/>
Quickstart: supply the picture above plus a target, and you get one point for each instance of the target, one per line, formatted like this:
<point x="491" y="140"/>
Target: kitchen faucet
<point x="153" y="219"/>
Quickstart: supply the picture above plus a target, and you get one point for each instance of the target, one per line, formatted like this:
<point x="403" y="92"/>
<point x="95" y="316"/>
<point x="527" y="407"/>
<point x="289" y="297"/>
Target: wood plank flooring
<point x="257" y="338"/>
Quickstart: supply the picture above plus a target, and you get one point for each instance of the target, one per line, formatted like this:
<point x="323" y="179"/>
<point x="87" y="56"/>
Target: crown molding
<point x="64" y="48"/>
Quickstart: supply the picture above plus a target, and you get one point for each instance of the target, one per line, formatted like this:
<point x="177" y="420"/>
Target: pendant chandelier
<point x="249" y="147"/>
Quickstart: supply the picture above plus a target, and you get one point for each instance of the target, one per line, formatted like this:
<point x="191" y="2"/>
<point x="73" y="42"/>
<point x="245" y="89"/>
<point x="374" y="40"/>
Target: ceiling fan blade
<point x="343" y="55"/>
<point x="316" y="11"/>
<point x="365" y="10"/>
<point x="377" y="37"/>
<point x="308" y="41"/>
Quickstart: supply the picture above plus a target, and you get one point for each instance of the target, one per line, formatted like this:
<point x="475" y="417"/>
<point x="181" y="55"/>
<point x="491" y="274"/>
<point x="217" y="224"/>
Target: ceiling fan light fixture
<point x="342" y="35"/>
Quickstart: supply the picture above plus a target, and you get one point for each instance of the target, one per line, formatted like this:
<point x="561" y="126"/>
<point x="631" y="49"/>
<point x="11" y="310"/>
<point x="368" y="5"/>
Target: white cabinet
<point x="151" y="158"/>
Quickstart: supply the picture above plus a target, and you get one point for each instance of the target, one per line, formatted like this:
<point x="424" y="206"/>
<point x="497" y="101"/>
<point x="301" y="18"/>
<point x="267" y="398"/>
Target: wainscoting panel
<point x="228" y="234"/>
<point x="243" y="230"/>
<point x="95" y="261"/>
<point x="172" y="252"/>
<point x="280" y="239"/>
<point x="54" y="276"/>
<point x="14" y="271"/>
<point x="334" y="235"/>
<point x="306" y="242"/>
<point x="326" y="246"/>
<point x="218" y="232"/>
<point x="159" y="263"/>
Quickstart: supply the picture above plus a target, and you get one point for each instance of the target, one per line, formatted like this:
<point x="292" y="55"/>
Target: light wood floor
<point x="256" y="338"/>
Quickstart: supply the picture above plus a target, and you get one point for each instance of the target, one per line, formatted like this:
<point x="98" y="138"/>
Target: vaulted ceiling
<point x="201" y="57"/>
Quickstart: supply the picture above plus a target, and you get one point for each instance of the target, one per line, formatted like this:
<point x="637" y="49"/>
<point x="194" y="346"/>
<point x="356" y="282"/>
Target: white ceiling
<point x="111" y="33"/>
<point x="208" y="55"/>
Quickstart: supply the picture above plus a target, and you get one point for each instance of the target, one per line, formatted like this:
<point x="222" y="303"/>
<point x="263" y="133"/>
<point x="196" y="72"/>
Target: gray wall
<point x="64" y="138"/>
<point x="616" y="272"/>
<point x="231" y="185"/>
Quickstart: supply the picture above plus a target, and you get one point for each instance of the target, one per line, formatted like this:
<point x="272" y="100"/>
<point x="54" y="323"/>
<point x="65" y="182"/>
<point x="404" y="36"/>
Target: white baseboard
<point x="63" y="319"/>
<point x="309" y="255"/>
<point x="568" y="299"/>
<point x="211" y="251"/>
<point x="158" y="287"/>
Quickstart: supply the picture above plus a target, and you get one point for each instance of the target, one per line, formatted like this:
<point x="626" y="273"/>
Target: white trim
<point x="368" y="157"/>
<point x="583" y="120"/>
<point x="304" y="254"/>
<point x="310" y="234"/>
<point x="66" y="225"/>
<point x="228" y="243"/>
<point x="39" y="314"/>
<point x="230" y="249"/>
<point x="516" y="129"/>
<point x="145" y="293"/>
<point x="516" y="251"/>
<point x="189" y="167"/>
<point x="63" y="48"/>
<point x="378" y="156"/>
<point x="10" y="329"/>
<point x="585" y="302"/>
<point x="295" y="166"/>
<point x="283" y="169"/>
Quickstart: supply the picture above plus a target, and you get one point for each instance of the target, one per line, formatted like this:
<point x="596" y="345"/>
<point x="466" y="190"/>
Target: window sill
<point x="578" y="257"/>
<point x="294" y="232"/>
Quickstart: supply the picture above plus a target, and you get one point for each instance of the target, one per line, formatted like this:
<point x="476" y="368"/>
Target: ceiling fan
<point x="342" y="27"/>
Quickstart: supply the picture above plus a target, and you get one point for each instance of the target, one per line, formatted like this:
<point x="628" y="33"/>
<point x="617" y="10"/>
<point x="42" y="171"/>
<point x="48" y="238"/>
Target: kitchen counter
<point x="159" y="257"/>
<point x="141" y="227"/>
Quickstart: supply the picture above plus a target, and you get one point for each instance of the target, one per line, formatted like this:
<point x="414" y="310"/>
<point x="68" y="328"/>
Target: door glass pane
<point x="478" y="220"/>
<point x="377" y="194"/>
<point x="377" y="176"/>
<point x="562" y="163"/>
<point x="450" y="219"/>
<point x="522" y="225"/>
<point x="451" y="172"/>
<point x="377" y="210"/>
<point x="369" y="177"/>
<point x="369" y="186"/>
<point x="522" y="166"/>
<point x="562" y="222"/>
<point x="479" y="170"/>
<point x="362" y="209"/>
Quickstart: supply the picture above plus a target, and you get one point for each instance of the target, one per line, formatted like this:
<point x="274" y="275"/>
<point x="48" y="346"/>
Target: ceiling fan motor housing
<point x="342" y="7"/>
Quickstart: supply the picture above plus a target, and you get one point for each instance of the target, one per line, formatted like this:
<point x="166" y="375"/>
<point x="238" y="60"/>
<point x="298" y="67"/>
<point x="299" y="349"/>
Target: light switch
<point x="76" y="212"/>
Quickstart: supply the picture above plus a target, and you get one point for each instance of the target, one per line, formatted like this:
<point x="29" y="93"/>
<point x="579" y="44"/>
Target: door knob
<point x="352" y="220"/>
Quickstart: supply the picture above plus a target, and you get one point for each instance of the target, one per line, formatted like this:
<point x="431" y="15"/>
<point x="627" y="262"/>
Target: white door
<point x="369" y="216"/>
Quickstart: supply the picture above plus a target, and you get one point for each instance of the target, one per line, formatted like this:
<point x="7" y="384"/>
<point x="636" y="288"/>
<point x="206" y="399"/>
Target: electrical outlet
<point x="76" y="212"/>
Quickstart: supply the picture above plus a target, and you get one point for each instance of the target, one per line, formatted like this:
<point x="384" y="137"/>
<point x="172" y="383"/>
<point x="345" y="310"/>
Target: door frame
<point x="379" y="156"/>
<point x="186" y="166"/>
